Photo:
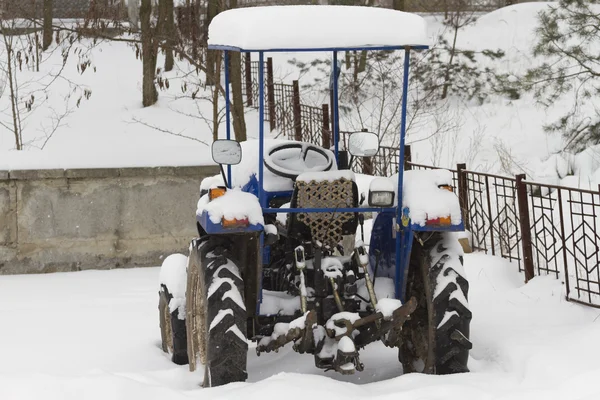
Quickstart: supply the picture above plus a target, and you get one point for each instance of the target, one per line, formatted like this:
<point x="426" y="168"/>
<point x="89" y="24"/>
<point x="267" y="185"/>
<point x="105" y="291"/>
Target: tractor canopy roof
<point x="316" y="28"/>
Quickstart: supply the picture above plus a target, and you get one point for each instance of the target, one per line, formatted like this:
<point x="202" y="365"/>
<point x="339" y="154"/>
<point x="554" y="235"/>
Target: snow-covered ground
<point x="95" y="335"/>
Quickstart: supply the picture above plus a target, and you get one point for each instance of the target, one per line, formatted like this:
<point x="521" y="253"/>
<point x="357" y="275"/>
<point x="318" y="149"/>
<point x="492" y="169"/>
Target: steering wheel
<point x="291" y="159"/>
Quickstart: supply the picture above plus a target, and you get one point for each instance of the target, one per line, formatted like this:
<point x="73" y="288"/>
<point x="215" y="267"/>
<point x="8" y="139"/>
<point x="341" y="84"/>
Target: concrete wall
<point x="70" y="220"/>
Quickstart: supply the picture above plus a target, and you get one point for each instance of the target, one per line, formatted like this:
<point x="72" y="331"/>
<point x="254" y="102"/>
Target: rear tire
<point x="436" y="338"/>
<point x="172" y="329"/>
<point x="216" y="312"/>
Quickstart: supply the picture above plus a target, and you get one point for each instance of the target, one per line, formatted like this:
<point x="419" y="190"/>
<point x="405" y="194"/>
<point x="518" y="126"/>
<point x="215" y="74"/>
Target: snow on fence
<point x="545" y="229"/>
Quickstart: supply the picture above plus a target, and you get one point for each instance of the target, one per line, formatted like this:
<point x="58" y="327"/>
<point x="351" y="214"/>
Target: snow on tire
<point x="164" y="316"/>
<point x="216" y="312"/>
<point x="436" y="338"/>
<point x="171" y="307"/>
<point x="172" y="328"/>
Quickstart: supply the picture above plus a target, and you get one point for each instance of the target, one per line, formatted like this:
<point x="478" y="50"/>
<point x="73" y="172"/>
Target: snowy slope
<point x="105" y="130"/>
<point x="95" y="335"/>
<point x="500" y="136"/>
<point x="504" y="136"/>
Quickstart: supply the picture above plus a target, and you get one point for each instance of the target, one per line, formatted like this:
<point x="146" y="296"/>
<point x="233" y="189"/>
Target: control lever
<point x="361" y="221"/>
<point x="300" y="262"/>
<point x="361" y="258"/>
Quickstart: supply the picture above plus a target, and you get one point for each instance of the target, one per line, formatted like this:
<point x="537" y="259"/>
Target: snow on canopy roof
<point x="297" y="28"/>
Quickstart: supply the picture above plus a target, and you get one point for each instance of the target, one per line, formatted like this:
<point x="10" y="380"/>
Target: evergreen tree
<point x="569" y="40"/>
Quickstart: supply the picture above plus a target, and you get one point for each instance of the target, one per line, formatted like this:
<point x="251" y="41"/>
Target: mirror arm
<point x="224" y="176"/>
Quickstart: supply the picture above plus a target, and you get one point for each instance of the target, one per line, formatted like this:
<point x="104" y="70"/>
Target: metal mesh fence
<point x="545" y="229"/>
<point x="565" y="241"/>
<point x="492" y="215"/>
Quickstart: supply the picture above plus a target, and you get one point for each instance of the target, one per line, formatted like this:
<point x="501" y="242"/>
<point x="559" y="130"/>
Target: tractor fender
<point x="235" y="211"/>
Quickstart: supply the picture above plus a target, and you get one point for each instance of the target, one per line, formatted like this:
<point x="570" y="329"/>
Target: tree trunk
<point x="400" y="5"/>
<point x="239" y="121"/>
<point x="169" y="29"/>
<point x="216" y="94"/>
<point x="235" y="76"/>
<point x="362" y="63"/>
<point x="212" y="10"/>
<point x="133" y="14"/>
<point x="47" y="40"/>
<point x="149" y="50"/>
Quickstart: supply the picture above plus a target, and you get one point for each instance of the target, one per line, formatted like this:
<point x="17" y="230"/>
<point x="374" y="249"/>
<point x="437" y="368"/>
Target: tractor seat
<point x="328" y="189"/>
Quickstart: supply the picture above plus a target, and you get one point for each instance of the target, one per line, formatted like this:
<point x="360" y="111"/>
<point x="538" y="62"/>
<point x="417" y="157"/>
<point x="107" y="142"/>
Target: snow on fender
<point x="425" y="199"/>
<point x="234" y="204"/>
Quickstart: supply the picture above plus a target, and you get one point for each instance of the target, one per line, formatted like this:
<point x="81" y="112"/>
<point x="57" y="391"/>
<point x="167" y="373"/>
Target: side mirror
<point x="363" y="144"/>
<point x="228" y="152"/>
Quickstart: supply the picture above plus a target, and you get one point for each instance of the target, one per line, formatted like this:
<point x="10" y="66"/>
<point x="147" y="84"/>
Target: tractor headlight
<point x="381" y="198"/>
<point x="381" y="192"/>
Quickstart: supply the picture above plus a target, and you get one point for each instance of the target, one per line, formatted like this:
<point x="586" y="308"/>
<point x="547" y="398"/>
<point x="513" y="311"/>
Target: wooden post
<point x="367" y="165"/>
<point x="525" y="228"/>
<point x="248" y="78"/>
<point x="463" y="194"/>
<point x="326" y="135"/>
<point x="367" y="162"/>
<point x="297" y="112"/>
<point x="407" y="158"/>
<point x="331" y="116"/>
<point x="271" y="94"/>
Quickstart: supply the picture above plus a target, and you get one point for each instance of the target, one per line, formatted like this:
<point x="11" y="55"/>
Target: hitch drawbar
<point x="310" y="337"/>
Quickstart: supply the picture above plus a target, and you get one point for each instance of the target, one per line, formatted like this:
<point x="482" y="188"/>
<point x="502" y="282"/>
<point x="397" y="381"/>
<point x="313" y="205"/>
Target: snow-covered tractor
<point x="281" y="255"/>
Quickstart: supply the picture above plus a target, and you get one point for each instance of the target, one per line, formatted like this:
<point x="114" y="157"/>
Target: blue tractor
<point x="278" y="259"/>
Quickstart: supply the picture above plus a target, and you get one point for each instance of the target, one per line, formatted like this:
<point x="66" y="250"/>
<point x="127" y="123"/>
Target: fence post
<point x="331" y="116"/>
<point x="297" y="112"/>
<point x="248" y="76"/>
<point x="525" y="228"/>
<point x="367" y="162"/>
<point x="326" y="135"/>
<point x="271" y="94"/>
<point x="463" y="194"/>
<point x="407" y="158"/>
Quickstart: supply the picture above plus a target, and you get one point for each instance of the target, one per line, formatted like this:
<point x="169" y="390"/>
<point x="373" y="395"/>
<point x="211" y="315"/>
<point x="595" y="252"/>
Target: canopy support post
<point x="399" y="224"/>
<point x="261" y="127"/>
<point x="227" y="112"/>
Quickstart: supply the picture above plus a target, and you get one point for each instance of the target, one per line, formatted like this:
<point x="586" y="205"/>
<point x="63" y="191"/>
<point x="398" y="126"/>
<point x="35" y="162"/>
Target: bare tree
<point x="9" y="70"/>
<point x="27" y="92"/>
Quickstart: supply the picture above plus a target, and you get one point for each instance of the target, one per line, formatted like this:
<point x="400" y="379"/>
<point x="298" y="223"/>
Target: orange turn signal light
<point x="216" y="192"/>
<point x="442" y="221"/>
<point x="234" y="223"/>
<point x="447" y="187"/>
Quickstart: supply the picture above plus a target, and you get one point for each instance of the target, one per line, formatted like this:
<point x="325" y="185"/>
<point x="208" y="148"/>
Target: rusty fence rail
<point x="283" y="108"/>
